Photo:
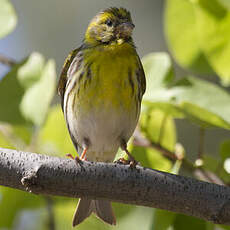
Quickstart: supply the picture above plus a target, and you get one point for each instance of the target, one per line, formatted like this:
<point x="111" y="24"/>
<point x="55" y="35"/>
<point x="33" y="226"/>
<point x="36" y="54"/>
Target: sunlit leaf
<point x="31" y="71"/>
<point x="158" y="65"/>
<point x="8" y="18"/>
<point x="37" y="99"/>
<point x="158" y="127"/>
<point x="181" y="34"/>
<point x="151" y="158"/>
<point x="54" y="136"/>
<point x="29" y="88"/>
<point x="213" y="21"/>
<point x="198" y="100"/>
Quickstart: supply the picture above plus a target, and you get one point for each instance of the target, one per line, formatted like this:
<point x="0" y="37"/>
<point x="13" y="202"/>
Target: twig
<point x="48" y="175"/>
<point x="7" y="61"/>
<point x="139" y="140"/>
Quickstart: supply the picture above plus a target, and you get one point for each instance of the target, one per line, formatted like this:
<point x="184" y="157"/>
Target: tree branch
<point x="7" y="61"/>
<point x="48" y="175"/>
<point x="198" y="172"/>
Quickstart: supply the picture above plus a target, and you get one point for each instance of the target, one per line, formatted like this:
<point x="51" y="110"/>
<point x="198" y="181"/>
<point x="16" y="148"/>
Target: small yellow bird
<point x="101" y="87"/>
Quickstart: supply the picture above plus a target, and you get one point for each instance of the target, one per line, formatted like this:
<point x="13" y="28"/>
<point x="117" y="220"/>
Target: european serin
<point x="101" y="88"/>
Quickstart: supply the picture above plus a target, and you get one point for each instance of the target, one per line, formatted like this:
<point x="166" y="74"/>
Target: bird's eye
<point x="109" y="22"/>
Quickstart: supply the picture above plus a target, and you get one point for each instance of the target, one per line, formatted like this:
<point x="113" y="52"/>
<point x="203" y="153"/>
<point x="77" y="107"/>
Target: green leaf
<point x="225" y="149"/>
<point x="11" y="89"/>
<point x="160" y="66"/>
<point x="151" y="158"/>
<point x="31" y="71"/>
<point x="37" y="99"/>
<point x="60" y="143"/>
<point x="189" y="223"/>
<point x="8" y="18"/>
<point x="12" y="202"/>
<point x="29" y="88"/>
<point x="162" y="219"/>
<point x="203" y="102"/>
<point x="214" y="35"/>
<point x="157" y="127"/>
<point x="159" y="76"/>
<point x="181" y="34"/>
<point x="200" y="101"/>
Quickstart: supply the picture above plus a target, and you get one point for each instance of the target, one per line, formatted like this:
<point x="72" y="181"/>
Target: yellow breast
<point x="111" y="80"/>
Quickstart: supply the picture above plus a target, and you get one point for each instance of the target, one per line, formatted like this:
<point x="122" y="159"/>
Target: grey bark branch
<point x="48" y="175"/>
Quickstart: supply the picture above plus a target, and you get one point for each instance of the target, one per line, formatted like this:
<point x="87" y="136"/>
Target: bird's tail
<point x="102" y="209"/>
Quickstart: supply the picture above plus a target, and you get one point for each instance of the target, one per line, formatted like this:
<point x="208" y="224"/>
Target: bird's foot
<point x="77" y="159"/>
<point x="131" y="162"/>
<point x="69" y="155"/>
<point x="122" y="161"/>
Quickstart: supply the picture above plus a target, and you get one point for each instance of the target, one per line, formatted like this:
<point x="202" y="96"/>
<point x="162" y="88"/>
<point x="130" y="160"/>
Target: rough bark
<point x="42" y="174"/>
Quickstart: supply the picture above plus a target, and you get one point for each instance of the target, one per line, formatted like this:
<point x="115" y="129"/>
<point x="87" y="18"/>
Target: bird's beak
<point x="125" y="29"/>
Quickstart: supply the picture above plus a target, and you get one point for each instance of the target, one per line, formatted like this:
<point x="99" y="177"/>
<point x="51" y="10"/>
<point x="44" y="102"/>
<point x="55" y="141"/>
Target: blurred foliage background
<point x="185" y="121"/>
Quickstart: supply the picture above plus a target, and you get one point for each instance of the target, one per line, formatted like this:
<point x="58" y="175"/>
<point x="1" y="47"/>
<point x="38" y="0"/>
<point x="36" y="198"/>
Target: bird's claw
<point x="122" y="161"/>
<point x="70" y="156"/>
<point x="77" y="159"/>
<point x="132" y="163"/>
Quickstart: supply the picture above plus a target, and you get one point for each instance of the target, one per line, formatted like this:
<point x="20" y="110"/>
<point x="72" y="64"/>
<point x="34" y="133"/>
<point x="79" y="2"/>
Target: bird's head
<point x="112" y="25"/>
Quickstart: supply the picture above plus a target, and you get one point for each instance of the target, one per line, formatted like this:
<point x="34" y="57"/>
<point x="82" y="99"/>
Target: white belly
<point x="102" y="130"/>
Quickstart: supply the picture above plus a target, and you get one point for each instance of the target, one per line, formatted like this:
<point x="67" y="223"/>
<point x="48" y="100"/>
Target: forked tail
<point x="102" y="209"/>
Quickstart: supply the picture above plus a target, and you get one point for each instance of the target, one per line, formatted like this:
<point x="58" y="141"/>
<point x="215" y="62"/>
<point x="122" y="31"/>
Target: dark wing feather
<point x="63" y="77"/>
<point x="141" y="78"/>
